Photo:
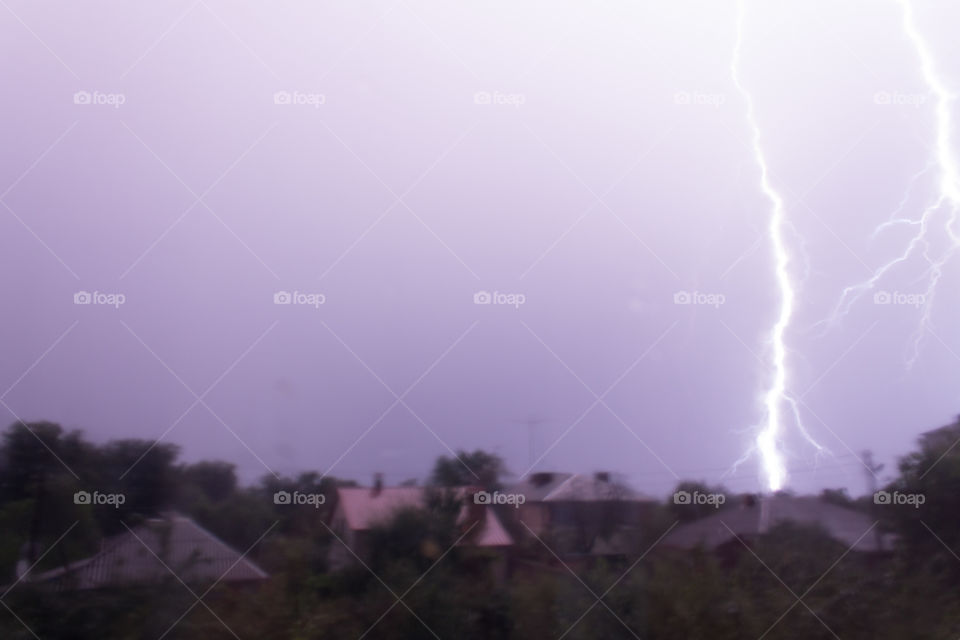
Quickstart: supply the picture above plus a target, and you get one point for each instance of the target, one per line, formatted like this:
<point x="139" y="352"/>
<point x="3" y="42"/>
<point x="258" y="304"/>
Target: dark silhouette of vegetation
<point x="480" y="469"/>
<point x="792" y="582"/>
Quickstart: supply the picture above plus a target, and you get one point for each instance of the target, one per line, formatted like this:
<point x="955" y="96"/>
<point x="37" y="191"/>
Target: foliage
<point x="792" y="582"/>
<point x="479" y="468"/>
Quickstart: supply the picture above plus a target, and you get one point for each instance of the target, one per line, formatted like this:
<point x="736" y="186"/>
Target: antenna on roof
<point x="531" y="422"/>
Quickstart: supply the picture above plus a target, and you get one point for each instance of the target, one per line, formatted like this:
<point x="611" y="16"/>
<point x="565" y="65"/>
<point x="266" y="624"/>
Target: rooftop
<point x="154" y="551"/>
<point x="364" y="508"/>
<point x="575" y="487"/>
<point x="750" y="520"/>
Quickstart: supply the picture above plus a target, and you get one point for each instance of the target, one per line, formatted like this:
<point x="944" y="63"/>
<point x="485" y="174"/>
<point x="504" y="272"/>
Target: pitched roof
<point x="574" y="487"/>
<point x="138" y="556"/>
<point x="537" y="486"/>
<point x="589" y="488"/>
<point x="363" y="507"/>
<point x="490" y="532"/>
<point x="845" y="525"/>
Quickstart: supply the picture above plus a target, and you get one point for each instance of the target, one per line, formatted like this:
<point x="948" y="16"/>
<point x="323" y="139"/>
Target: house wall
<point x="339" y="555"/>
<point x="536" y="516"/>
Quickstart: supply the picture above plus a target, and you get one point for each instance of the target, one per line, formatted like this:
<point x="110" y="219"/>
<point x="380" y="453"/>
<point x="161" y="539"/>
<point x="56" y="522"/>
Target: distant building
<point x="154" y="552"/>
<point x="756" y="516"/>
<point x="359" y="509"/>
<point x="581" y="514"/>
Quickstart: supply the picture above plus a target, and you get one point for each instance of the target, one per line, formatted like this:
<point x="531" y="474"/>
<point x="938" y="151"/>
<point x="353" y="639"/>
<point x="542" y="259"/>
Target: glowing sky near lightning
<point x="632" y="103"/>
<point x="937" y="217"/>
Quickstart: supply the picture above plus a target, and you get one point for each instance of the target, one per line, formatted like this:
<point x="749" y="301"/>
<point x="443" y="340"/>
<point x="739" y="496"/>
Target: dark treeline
<point x="794" y="582"/>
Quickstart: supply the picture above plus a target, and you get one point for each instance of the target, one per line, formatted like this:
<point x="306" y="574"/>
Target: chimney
<point x="602" y="476"/>
<point x="377" y="484"/>
<point x="541" y="478"/>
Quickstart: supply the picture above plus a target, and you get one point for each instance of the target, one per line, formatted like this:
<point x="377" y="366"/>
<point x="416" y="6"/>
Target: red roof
<point x="489" y="532"/>
<point x="365" y="507"/>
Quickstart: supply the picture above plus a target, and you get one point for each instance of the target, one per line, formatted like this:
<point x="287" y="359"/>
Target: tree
<point x="216" y="480"/>
<point x="143" y="471"/>
<point x="922" y="503"/>
<point x="39" y="465"/>
<point x="33" y="453"/>
<point x="479" y="468"/>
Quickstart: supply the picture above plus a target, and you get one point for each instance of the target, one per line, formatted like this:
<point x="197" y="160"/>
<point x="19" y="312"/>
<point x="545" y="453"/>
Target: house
<point x="755" y="516"/>
<point x="153" y="552"/>
<point x="359" y="509"/>
<point x="581" y="514"/>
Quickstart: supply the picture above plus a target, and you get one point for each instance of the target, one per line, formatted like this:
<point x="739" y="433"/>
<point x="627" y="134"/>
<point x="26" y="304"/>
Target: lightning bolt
<point x="947" y="199"/>
<point x="776" y="398"/>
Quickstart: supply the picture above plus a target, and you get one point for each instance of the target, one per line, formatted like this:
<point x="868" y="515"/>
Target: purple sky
<point x="591" y="157"/>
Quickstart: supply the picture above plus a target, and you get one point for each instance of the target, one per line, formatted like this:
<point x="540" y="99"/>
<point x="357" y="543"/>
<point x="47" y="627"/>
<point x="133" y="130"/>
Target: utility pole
<point x="872" y="468"/>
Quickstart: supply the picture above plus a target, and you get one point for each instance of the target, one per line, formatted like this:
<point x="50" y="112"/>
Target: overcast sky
<point x="387" y="161"/>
